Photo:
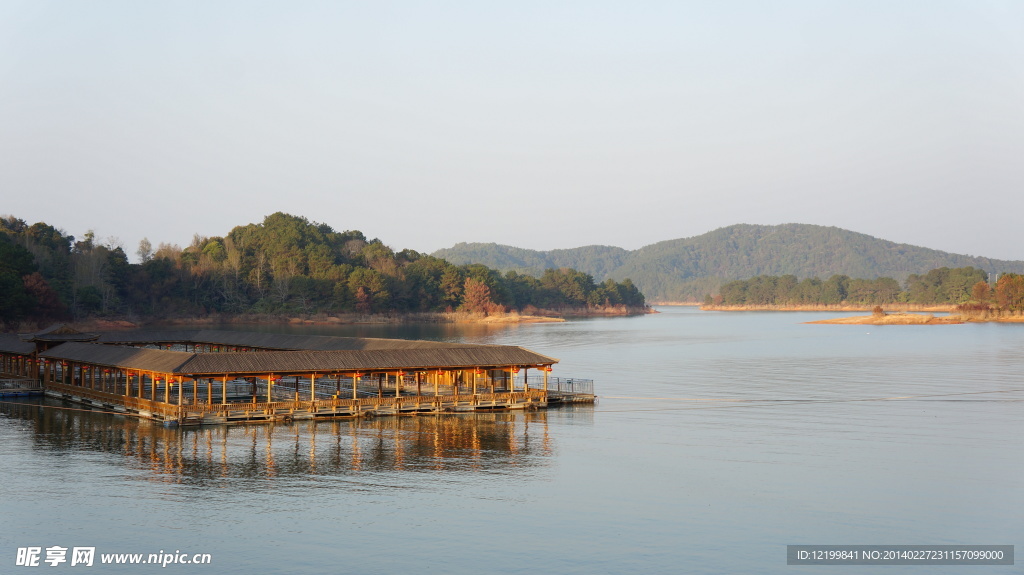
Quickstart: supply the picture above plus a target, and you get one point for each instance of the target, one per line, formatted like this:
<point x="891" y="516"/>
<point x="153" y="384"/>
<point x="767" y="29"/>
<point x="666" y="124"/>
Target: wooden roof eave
<point x="350" y="370"/>
<point x="294" y="362"/>
<point x="119" y="357"/>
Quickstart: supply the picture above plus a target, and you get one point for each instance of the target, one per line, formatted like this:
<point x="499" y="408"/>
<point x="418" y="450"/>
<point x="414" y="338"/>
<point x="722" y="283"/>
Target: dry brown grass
<point x="838" y="307"/>
<point x="893" y="319"/>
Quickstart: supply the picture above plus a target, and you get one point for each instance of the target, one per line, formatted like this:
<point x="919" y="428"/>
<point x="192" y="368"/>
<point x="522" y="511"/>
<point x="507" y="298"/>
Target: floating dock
<point x="20" y="387"/>
<point x="217" y="377"/>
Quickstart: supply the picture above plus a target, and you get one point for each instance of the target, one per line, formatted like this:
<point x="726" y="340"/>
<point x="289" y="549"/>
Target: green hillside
<point x="689" y="268"/>
<point x="286" y="265"/>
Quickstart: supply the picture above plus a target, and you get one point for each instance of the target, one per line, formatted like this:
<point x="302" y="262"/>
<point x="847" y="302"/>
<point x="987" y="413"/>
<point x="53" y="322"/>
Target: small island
<point x="898" y="318"/>
<point x="963" y="315"/>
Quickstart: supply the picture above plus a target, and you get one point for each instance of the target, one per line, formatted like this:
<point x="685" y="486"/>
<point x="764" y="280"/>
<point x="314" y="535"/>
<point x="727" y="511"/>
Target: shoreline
<point x="897" y="307"/>
<point x="903" y="318"/>
<point x="542" y="316"/>
<point x="899" y="318"/>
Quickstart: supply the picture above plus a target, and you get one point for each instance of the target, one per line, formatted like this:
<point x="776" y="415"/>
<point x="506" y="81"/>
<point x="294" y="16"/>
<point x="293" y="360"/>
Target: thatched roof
<point x="257" y="340"/>
<point x="12" y="343"/>
<point x="360" y="360"/>
<point x="119" y="356"/>
<point x="59" y="332"/>
<point x="437" y="356"/>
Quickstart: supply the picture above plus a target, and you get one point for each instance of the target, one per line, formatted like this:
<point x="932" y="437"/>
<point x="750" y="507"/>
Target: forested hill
<point x="285" y="265"/>
<point x="689" y="268"/>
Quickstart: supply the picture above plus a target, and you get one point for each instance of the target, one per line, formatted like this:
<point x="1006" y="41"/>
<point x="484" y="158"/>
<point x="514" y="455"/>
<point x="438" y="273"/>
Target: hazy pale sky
<point x="538" y="124"/>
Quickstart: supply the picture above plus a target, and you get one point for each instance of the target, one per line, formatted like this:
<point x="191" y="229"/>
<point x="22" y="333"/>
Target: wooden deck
<point x="262" y="411"/>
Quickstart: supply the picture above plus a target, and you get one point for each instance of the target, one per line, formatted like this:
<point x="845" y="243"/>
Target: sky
<point x="538" y="124"/>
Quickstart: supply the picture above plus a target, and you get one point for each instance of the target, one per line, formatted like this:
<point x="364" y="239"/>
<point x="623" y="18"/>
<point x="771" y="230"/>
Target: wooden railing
<point x="19" y="383"/>
<point x="170" y="411"/>
<point x="405" y="401"/>
<point x="166" y="410"/>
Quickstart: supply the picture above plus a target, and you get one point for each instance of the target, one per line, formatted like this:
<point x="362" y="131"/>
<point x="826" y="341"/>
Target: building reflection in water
<point x="464" y="443"/>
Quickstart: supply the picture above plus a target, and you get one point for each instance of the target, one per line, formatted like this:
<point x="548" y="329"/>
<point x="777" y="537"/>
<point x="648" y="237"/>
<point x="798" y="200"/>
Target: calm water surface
<point x="719" y="439"/>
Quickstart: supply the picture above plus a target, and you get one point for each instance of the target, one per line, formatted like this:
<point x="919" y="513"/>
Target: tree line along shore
<point x="941" y="289"/>
<point x="966" y="293"/>
<point x="285" y="268"/>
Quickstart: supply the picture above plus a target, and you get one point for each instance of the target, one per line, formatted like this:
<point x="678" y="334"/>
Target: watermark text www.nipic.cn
<point x="87" y="556"/>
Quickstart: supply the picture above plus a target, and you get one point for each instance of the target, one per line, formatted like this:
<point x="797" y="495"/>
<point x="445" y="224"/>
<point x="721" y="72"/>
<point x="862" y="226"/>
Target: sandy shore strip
<point x="894" y="319"/>
<point x="896" y="307"/>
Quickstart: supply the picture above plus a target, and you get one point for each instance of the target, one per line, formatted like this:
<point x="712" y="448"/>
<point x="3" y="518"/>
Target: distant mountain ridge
<point x="688" y="268"/>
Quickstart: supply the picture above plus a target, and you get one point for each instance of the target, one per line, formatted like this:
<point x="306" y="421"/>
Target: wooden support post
<point x="546" y="368"/>
<point x="312" y="387"/>
<point x="224" y="389"/>
<point x="167" y="389"/>
<point x="181" y="385"/>
<point x="398" y="384"/>
<point x="270" y="385"/>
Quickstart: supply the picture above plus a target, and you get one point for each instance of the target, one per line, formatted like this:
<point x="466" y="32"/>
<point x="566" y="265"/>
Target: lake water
<point x="718" y="439"/>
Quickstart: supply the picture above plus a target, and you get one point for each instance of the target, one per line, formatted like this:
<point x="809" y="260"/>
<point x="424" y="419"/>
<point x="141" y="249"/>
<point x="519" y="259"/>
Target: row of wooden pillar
<point x="17" y="365"/>
<point x="135" y="382"/>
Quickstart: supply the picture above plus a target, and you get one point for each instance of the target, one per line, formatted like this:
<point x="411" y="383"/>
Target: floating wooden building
<point x="212" y="376"/>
